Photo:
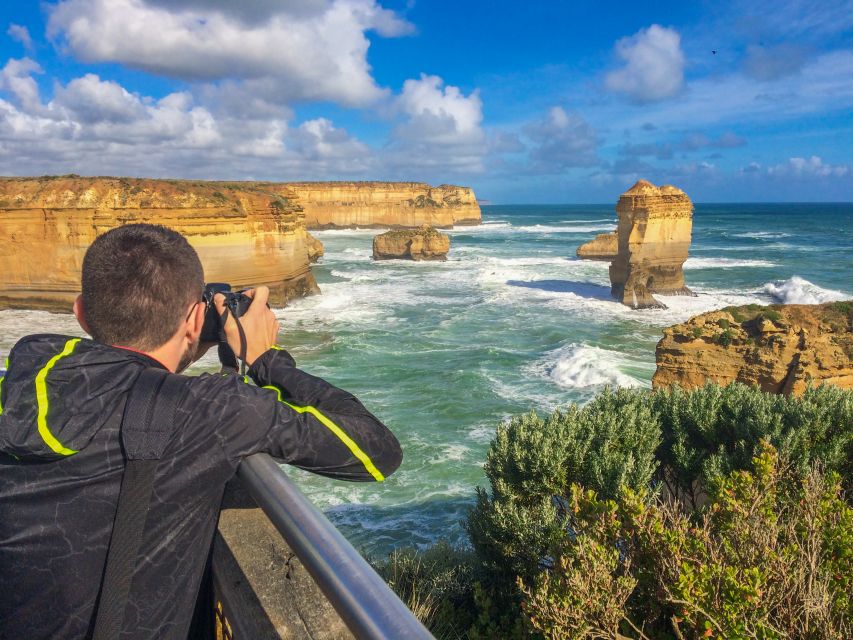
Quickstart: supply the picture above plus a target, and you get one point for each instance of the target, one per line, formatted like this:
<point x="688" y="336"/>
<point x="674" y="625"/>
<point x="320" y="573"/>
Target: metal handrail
<point x="369" y="608"/>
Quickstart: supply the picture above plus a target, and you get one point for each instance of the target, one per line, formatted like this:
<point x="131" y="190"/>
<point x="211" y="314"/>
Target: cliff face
<point x="604" y="246"/>
<point x="654" y="233"/>
<point x="245" y="235"/>
<point x="779" y="348"/>
<point x="416" y="244"/>
<point x="384" y="204"/>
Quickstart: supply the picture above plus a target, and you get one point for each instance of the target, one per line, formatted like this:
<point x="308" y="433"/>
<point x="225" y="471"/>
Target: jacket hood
<point x="58" y="392"/>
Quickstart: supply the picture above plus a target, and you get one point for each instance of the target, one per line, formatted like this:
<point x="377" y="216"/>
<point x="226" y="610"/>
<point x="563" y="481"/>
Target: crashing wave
<point x="797" y="290"/>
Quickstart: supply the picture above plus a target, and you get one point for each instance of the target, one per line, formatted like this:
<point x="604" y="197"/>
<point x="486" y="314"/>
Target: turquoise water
<point x="444" y="352"/>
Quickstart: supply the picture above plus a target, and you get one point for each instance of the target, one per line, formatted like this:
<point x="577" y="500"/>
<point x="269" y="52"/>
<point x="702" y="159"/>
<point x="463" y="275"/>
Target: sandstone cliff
<point x="779" y="348"/>
<point x="424" y="243"/>
<point x="244" y="234"/>
<point x="655" y="226"/>
<point x="605" y="246"/>
<point x="384" y="204"/>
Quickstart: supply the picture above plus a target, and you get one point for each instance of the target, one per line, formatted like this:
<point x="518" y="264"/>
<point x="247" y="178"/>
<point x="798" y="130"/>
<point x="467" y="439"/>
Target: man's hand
<point x="259" y="324"/>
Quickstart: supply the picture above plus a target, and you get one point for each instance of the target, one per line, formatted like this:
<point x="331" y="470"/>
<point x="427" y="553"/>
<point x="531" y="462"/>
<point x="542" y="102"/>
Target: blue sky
<point x="526" y="102"/>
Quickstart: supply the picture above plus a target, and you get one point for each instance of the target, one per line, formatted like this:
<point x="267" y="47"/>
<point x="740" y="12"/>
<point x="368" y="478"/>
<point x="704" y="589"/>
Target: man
<point x="61" y="456"/>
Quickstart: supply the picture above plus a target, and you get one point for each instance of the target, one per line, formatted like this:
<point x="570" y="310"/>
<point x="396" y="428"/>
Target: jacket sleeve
<point x="304" y="421"/>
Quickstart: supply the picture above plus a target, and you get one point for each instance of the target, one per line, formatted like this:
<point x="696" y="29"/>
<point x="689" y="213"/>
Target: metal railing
<point x="369" y="608"/>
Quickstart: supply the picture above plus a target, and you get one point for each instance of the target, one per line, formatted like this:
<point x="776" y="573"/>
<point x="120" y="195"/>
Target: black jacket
<point x="61" y="463"/>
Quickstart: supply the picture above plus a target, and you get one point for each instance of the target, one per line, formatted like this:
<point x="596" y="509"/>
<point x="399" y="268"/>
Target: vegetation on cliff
<point x="711" y="512"/>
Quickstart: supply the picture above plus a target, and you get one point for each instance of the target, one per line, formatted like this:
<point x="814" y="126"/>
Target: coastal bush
<point x="710" y="431"/>
<point x="716" y="511"/>
<point x="769" y="556"/>
<point x="533" y="462"/>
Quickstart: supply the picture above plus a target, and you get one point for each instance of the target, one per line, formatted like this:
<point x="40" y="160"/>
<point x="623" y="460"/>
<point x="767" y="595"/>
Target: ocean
<point x="444" y="352"/>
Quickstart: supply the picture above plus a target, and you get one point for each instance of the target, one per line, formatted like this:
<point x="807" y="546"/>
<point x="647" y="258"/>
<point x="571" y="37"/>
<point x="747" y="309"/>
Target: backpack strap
<point x="146" y="428"/>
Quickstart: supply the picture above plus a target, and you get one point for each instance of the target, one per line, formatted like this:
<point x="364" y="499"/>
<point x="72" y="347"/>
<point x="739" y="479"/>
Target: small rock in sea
<point x="424" y="243"/>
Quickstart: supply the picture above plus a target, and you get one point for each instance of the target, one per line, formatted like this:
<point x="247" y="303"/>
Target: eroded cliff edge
<point x="779" y="348"/>
<point x="384" y="204"/>
<point x="244" y="233"/>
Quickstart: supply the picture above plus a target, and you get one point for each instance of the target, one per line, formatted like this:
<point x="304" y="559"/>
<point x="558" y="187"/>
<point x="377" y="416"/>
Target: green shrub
<point x="725" y="338"/>
<point x="770" y="556"/>
<point x="723" y="323"/>
<point x="771" y="314"/>
<point x="532" y="463"/>
<point x="697" y="332"/>
<point x="711" y="431"/>
<point x="575" y="539"/>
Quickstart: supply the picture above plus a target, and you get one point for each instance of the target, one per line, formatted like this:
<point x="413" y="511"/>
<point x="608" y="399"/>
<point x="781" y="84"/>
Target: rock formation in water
<point x="244" y="234"/>
<point x="654" y="232"/>
<point x="604" y="246"/>
<point x="424" y="243"/>
<point x="779" y="348"/>
<point x="315" y="248"/>
<point x="384" y="204"/>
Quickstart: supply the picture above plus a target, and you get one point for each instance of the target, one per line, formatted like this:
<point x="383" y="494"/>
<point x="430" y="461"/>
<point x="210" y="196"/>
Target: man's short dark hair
<point x="137" y="282"/>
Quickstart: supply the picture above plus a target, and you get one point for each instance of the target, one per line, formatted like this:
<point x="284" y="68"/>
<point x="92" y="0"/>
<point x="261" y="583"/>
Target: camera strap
<point x="244" y="345"/>
<point x="146" y="428"/>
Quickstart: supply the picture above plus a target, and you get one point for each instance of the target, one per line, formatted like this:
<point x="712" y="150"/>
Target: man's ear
<point x="80" y="314"/>
<point x="197" y="320"/>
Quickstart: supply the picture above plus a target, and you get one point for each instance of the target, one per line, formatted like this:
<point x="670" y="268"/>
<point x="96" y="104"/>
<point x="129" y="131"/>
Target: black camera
<point x="236" y="302"/>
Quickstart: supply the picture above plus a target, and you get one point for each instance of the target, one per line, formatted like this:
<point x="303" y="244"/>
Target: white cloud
<point x="21" y="34"/>
<point x="654" y="65"/>
<point x="298" y="51"/>
<point x="442" y="129"/>
<point x="813" y="166"/>
<point x="96" y="126"/>
<point x="94" y="100"/>
<point x="16" y="77"/>
<point x="440" y="114"/>
<point x="824" y="86"/>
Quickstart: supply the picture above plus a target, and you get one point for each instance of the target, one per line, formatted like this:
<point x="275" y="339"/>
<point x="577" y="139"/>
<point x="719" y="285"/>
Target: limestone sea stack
<point x="604" y="246"/>
<point x="654" y="232"/>
<point x="315" y="248"/>
<point x="329" y="205"/>
<point x="780" y="348"/>
<point x="244" y="234"/>
<point x="424" y="243"/>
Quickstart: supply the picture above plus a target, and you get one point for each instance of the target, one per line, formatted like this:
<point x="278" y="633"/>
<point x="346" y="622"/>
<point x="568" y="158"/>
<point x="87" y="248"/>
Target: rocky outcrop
<point x="384" y="204"/>
<point x="779" y="348"/>
<point x="605" y="246"/>
<point x="655" y="225"/>
<point x="415" y="244"/>
<point x="244" y="234"/>
<point x="315" y="248"/>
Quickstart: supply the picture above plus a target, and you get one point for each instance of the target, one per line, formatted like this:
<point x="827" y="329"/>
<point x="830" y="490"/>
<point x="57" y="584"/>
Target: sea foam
<point x="578" y="366"/>
<point x="725" y="263"/>
<point x="797" y="290"/>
